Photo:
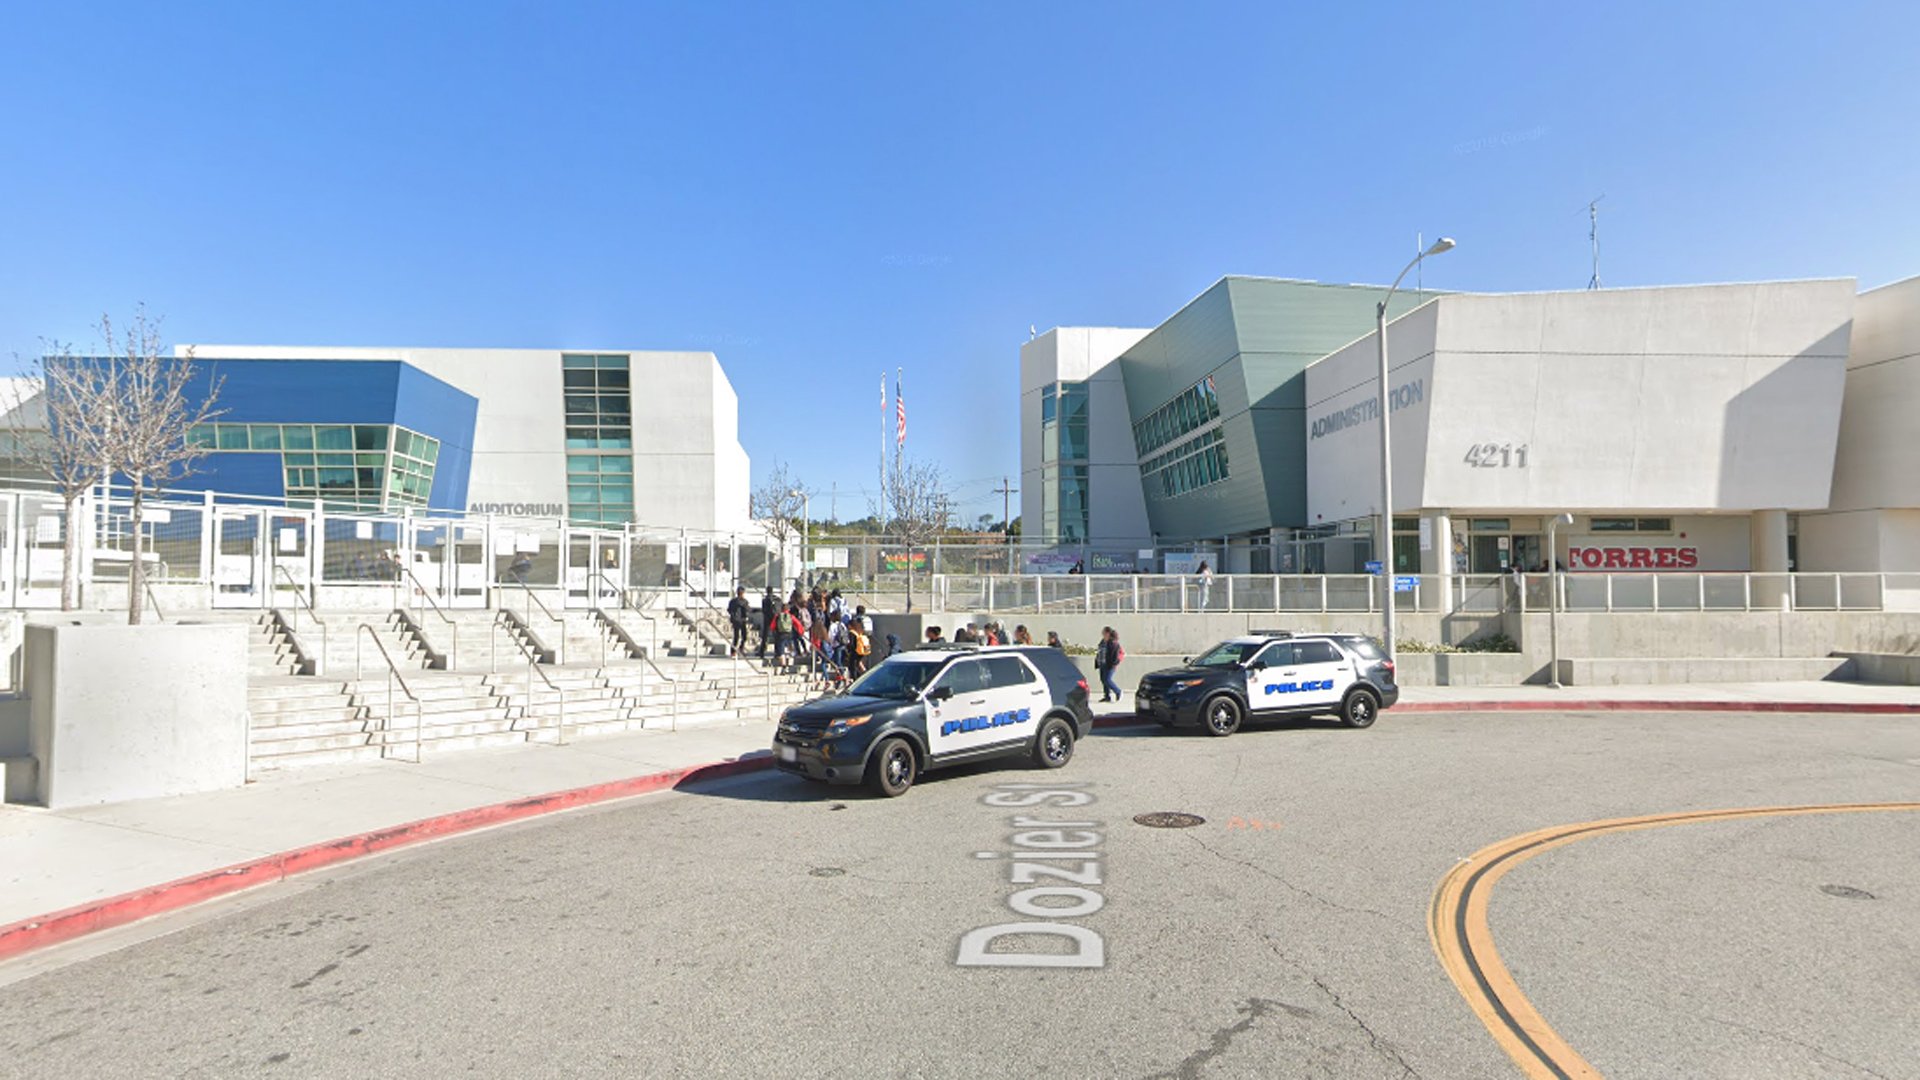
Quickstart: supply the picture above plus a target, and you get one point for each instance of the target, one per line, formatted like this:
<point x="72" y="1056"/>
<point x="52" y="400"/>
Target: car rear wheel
<point x="1221" y="716"/>
<point x="1053" y="746"/>
<point x="891" y="770"/>
<point x="1361" y="709"/>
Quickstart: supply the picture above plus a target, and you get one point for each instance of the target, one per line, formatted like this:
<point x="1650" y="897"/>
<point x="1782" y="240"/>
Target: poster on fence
<point x="1051" y="562"/>
<point x="894" y="562"/>
<point x="1104" y="563"/>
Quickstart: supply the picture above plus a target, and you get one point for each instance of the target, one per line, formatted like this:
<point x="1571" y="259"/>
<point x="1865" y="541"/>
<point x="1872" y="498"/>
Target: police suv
<point x="1272" y="673"/>
<point x="934" y="706"/>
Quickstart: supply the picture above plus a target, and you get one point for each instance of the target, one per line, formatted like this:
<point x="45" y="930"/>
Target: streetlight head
<point x="1565" y="519"/>
<point x="1445" y="243"/>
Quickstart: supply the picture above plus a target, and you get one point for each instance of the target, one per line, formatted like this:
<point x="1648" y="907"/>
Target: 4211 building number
<point x="1497" y="455"/>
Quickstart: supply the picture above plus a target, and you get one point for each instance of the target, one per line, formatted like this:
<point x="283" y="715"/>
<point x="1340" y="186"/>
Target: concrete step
<point x="1637" y="671"/>
<point x="308" y="744"/>
<point x="288" y="688"/>
<point x="437" y="731"/>
<point x="302" y="711"/>
<point x="264" y="734"/>
<point x="300" y="759"/>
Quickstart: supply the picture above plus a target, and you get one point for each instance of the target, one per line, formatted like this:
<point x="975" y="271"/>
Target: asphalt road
<point x="765" y="927"/>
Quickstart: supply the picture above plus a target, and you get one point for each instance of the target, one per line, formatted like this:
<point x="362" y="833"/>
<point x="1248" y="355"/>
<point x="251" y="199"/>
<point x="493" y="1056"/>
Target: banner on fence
<point x="896" y="561"/>
<point x="1051" y="562"/>
<point x="1104" y="563"/>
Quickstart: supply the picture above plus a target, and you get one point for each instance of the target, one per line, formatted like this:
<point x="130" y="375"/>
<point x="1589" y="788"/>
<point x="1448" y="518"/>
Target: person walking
<point x="1054" y="642"/>
<point x="863" y="620"/>
<point x="738" y="613"/>
<point x="1021" y="637"/>
<point x="1206" y="584"/>
<point x="1106" y="657"/>
<point x="769" y="609"/>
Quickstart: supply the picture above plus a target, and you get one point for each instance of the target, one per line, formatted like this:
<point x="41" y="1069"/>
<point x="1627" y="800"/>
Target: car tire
<point x="1221" y="716"/>
<point x="891" y="769"/>
<point x="1053" y="743"/>
<point x="1360" y="709"/>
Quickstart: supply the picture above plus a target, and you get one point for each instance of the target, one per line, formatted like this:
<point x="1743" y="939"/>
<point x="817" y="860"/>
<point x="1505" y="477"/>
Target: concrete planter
<point x="135" y="712"/>
<point x="1464" y="669"/>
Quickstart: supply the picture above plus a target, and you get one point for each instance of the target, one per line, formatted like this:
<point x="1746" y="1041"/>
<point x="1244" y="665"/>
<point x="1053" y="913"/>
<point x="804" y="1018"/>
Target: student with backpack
<point x="859" y="647"/>
<point x="1106" y="657"/>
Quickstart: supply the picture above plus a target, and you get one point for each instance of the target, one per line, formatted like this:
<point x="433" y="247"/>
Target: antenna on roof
<point x="1593" y="238"/>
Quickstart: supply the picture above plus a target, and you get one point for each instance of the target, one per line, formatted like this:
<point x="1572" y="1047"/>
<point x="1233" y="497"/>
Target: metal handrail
<point x="673" y="714"/>
<point x="320" y="664"/>
<point x="420" y="588"/>
<point x="146" y="586"/>
<point x="393" y="674"/>
<point x="560" y="645"/>
<point x="653" y="624"/>
<point x="533" y="668"/>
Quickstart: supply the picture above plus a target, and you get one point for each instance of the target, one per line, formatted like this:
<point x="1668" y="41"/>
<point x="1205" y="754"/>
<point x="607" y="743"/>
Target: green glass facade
<point x="337" y="466"/>
<point x="599" y="413"/>
<point x="1064" y="467"/>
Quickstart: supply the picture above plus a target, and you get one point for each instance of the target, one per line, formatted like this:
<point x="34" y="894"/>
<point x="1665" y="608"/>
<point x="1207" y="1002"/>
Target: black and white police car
<point x="1272" y="673"/>
<point x="934" y="706"/>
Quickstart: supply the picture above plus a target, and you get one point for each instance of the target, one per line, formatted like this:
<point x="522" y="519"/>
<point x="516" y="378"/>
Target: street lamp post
<point x="1445" y="243"/>
<point x="806" y="514"/>
<point x="1553" y="601"/>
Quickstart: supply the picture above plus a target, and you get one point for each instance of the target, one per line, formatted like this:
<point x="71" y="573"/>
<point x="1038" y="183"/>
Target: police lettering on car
<point x="938" y="705"/>
<point x="1272" y="673"/>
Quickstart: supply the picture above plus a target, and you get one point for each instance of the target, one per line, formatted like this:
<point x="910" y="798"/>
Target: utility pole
<point x="1006" y="490"/>
<point x="1593" y="239"/>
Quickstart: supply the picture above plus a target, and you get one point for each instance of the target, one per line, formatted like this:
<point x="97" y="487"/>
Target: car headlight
<point x="1186" y="684"/>
<point x="839" y="727"/>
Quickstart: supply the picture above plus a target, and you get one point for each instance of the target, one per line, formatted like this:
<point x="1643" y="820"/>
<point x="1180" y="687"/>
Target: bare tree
<point x="916" y="506"/>
<point x="151" y="412"/>
<point x="778" y="504"/>
<point x="58" y="425"/>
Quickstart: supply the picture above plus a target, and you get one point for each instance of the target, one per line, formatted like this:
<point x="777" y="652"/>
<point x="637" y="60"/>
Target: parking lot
<point x="763" y="926"/>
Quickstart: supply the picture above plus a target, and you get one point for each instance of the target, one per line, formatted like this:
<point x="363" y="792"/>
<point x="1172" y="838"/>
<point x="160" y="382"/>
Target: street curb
<point x="43" y="931"/>
<point x="1880" y="708"/>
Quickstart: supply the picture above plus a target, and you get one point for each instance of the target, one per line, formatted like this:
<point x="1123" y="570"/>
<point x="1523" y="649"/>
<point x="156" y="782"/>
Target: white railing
<point x="1483" y="594"/>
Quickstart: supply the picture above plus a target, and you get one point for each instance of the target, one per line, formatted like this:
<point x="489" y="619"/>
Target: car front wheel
<point x="1222" y="716"/>
<point x="891" y="770"/>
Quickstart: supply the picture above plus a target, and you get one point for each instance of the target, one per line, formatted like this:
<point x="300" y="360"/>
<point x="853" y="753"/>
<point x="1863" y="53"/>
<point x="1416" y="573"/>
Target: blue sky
<point x="821" y="192"/>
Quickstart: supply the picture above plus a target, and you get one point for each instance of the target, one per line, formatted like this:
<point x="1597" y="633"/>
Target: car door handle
<point x="1291" y="671"/>
<point x="978" y="701"/>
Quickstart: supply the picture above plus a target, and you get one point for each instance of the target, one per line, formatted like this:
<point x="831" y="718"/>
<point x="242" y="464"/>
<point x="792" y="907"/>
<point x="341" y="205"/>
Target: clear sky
<point x="820" y="192"/>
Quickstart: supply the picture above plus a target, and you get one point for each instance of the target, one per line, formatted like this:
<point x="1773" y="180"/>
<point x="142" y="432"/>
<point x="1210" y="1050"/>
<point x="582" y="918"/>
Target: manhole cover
<point x="1846" y="892"/>
<point x="826" y="871"/>
<point x="1169" y="819"/>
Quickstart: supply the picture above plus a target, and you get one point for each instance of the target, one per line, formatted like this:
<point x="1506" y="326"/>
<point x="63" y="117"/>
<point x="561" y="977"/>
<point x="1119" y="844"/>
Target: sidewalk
<point x="107" y="865"/>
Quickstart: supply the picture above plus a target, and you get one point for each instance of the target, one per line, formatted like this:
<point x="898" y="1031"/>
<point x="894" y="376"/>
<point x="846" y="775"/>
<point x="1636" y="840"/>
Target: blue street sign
<point x="1405" y="584"/>
<point x="1373" y="566"/>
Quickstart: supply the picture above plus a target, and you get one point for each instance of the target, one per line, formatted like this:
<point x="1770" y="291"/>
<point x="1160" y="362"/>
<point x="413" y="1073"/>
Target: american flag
<point x="899" y="414"/>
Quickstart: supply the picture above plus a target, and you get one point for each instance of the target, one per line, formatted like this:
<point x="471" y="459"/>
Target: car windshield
<point x="902" y="679"/>
<point x="1227" y="654"/>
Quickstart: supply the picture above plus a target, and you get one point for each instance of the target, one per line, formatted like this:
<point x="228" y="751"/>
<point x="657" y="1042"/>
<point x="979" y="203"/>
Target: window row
<point x="575" y="361"/>
<point x="1197" y="471"/>
<point x="1198" y="405"/>
<point x="602" y="464"/>
<point x="371" y="437"/>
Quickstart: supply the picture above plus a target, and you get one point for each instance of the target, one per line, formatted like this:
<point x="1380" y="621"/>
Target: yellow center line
<point x="1457" y="926"/>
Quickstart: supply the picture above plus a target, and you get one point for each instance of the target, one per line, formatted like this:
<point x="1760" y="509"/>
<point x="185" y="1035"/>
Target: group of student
<point x="1106" y="656"/>
<point x="818" y="624"/>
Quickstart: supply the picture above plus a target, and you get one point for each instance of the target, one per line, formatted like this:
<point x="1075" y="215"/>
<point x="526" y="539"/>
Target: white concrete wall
<point x="1116" y="506"/>
<point x="171" y="720"/>
<point x="1874" y="518"/>
<point x="1343" y="428"/>
<point x="1720" y="397"/>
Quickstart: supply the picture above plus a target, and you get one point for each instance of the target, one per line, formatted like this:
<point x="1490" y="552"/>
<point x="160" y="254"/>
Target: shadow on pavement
<point x="774" y="786"/>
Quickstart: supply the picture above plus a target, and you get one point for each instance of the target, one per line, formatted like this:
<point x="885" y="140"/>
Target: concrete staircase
<point x="300" y="720"/>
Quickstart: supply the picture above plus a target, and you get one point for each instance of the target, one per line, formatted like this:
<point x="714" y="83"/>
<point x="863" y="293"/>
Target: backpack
<point x="1119" y="654"/>
<point x="861" y="647"/>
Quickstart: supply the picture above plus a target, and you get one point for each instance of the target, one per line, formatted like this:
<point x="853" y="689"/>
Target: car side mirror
<point x="1257" y="665"/>
<point x="940" y="693"/>
<point x="1186" y="659"/>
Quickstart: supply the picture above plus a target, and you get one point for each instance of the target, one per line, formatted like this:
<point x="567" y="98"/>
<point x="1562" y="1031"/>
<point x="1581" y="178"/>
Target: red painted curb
<point x="1882" y="708"/>
<point x="43" y="931"/>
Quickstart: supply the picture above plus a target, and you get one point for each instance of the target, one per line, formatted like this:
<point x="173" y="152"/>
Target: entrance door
<point x="596" y="567"/>
<point x="38" y="534"/>
<point x="289" y="552"/>
<point x="238" y="565"/>
<point x="467" y="566"/>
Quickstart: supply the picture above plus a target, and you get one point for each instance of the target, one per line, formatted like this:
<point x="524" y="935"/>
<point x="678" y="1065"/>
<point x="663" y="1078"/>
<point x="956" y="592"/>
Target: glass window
<point x="583" y="463"/>
<point x="1280" y="654"/>
<point x="202" y="435"/>
<point x="369" y="437"/>
<point x="263" y="436"/>
<point x="296" y="436"/>
<point x="613" y="380"/>
<point x="1488" y="525"/>
<point x="1226" y="654"/>
<point x="333" y="438"/>
<point x="231" y="436"/>
<point x="1656" y="524"/>
<point x="1007" y="671"/>
<point x="614" y="361"/>
<point x="298" y="459"/>
<point x="432" y="448"/>
<point x="336" y="478"/>
<point x="615" y="463"/>
<point x="576" y="361"/>
<point x="1316" y="652"/>
<point x="583" y="493"/>
<point x="335" y="459"/>
<point x="1610" y="525"/>
<point x="578" y="380"/>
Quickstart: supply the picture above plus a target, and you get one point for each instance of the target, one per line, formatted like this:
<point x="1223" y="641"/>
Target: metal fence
<point x="1470" y="593"/>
